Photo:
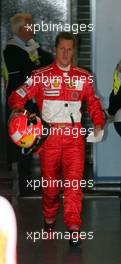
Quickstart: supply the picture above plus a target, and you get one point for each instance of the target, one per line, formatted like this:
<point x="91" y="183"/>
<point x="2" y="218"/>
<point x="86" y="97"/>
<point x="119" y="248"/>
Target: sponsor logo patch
<point x="79" y="85"/>
<point x="56" y="83"/>
<point x="75" y="95"/>
<point x="21" y="92"/>
<point x="52" y="93"/>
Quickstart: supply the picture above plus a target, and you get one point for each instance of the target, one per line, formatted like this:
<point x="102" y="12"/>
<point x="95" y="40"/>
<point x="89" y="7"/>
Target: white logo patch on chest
<point x="79" y="85"/>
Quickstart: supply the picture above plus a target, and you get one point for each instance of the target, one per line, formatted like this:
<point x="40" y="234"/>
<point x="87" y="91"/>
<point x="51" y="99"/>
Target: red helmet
<point x="24" y="130"/>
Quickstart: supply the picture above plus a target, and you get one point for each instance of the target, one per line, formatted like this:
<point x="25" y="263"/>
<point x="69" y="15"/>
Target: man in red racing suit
<point x="59" y="90"/>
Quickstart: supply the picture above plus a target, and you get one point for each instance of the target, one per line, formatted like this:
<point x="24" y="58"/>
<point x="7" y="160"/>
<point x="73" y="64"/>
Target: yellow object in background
<point x="116" y="82"/>
<point x="117" y="78"/>
<point x="8" y="233"/>
<point x="3" y="243"/>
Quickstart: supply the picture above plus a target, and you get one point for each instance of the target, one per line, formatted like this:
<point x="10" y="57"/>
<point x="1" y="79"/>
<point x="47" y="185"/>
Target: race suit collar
<point x="64" y="68"/>
<point x="60" y="70"/>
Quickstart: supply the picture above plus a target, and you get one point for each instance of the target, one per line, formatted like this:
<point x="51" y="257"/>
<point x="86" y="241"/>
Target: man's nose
<point x="66" y="52"/>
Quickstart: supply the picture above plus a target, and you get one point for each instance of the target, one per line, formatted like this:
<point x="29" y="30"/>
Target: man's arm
<point x="94" y="107"/>
<point x="24" y="93"/>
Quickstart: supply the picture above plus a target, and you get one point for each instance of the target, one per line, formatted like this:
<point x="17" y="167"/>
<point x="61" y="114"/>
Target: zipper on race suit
<point x="72" y="119"/>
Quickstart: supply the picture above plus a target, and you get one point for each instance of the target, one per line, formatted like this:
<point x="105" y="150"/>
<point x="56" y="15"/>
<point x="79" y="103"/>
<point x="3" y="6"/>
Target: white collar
<point x="64" y="68"/>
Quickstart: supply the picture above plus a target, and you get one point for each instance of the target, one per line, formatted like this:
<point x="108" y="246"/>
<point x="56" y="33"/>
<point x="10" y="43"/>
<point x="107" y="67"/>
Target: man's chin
<point x="65" y="64"/>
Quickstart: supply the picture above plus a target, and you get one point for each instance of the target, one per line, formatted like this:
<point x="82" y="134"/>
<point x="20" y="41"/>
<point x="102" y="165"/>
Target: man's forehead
<point x="67" y="42"/>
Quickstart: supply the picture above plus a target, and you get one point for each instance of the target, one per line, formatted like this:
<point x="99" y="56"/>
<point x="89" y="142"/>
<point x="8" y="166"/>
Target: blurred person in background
<point x="114" y="109"/>
<point x="8" y="233"/>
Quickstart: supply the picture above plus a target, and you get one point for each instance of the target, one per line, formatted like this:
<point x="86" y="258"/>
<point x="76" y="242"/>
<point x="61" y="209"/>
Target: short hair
<point x="19" y="20"/>
<point x="65" y="35"/>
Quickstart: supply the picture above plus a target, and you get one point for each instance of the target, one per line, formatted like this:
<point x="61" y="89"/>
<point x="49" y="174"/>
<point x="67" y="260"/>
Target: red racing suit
<point x="59" y="95"/>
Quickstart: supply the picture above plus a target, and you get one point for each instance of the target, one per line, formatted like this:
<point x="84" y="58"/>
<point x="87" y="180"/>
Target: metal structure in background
<point x="83" y="16"/>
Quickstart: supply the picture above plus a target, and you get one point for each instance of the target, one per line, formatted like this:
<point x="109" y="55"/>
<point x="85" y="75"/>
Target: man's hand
<point x="97" y="129"/>
<point x="25" y="112"/>
<point x="16" y="111"/>
<point x="20" y="110"/>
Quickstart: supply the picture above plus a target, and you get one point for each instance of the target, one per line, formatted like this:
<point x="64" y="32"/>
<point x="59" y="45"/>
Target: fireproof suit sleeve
<point x="93" y="105"/>
<point x="24" y="93"/>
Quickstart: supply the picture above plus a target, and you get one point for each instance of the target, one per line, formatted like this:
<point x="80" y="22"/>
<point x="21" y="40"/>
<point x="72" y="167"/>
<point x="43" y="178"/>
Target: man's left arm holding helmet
<point x="25" y="128"/>
<point x="24" y="93"/>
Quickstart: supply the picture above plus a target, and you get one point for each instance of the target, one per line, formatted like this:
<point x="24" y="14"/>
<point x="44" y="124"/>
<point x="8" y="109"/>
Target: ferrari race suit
<point x="59" y="95"/>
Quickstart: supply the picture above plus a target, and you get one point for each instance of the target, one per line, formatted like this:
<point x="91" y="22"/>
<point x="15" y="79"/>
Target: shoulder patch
<point x="35" y="72"/>
<point x="42" y="70"/>
<point x="83" y="71"/>
<point x="21" y="92"/>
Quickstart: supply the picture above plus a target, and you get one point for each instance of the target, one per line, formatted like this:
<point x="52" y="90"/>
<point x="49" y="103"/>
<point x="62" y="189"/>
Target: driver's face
<point x="64" y="52"/>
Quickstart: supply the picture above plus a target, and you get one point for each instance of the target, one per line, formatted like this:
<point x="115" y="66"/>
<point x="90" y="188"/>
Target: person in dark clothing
<point x="114" y="108"/>
<point x="22" y="55"/>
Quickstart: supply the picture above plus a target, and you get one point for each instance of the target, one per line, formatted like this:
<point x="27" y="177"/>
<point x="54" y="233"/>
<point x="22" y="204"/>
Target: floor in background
<point x="100" y="216"/>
